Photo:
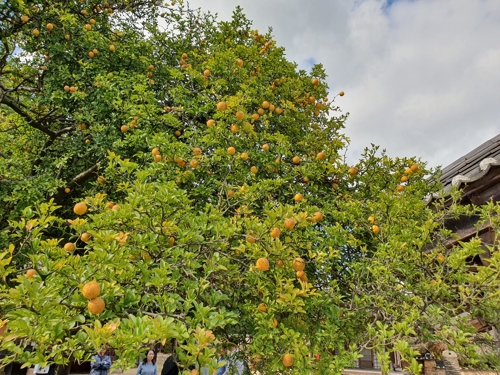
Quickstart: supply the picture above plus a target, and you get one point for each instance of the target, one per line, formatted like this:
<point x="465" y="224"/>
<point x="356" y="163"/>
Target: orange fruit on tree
<point x="221" y="106"/>
<point x="72" y="89"/>
<point x="230" y="193"/>
<point x="25" y="18"/>
<point x="375" y="229"/>
<point x="50" y="26"/>
<point x="112" y="48"/>
<point x="210" y="123"/>
<point x="280" y="263"/>
<point x="262" y="307"/>
<point x="298" y="197"/>
<point x="151" y="67"/>
<point x="36" y="32"/>
<point x="352" y="171"/>
<point x="115" y="207"/>
<point x="231" y="150"/>
<point x="265" y="147"/>
<point x="177" y="133"/>
<point x="289" y="224"/>
<point x="193" y="163"/>
<point x="239" y="62"/>
<point x="414" y="167"/>
<point x="206" y="73"/>
<point x="157" y="158"/>
<point x="101" y="179"/>
<point x="67" y="37"/>
<point x="196" y="151"/>
<point x="124" y="128"/>
<point x="69" y="247"/>
<point x="88" y="27"/>
<point x="440" y="258"/>
<point x="96" y="305"/>
<point x="315" y="82"/>
<point x="318" y="216"/>
<point x="244" y="156"/>
<point x="171" y="241"/>
<point x="274" y="323"/>
<point x="301" y="275"/>
<point x="91" y="290"/>
<point x="91" y="54"/>
<point x="400" y="188"/>
<point x="110" y="205"/>
<point x="234" y="129"/>
<point x="296" y="160"/>
<point x="155" y="151"/>
<point x="275" y="232"/>
<point x="67" y="190"/>
<point x="252" y="238"/>
<point x="66" y="88"/>
<point x="85" y="237"/>
<point x="404" y="178"/>
<point x="262" y="264"/>
<point x="240" y="115"/>
<point x="255" y="116"/>
<point x="287" y="360"/>
<point x="305" y="179"/>
<point x="278" y="111"/>
<point x="321" y="155"/>
<point x="80" y="208"/>
<point x="265" y="104"/>
<point x="254" y="169"/>
<point x="371" y="219"/>
<point x="31" y="273"/>
<point x="341" y="93"/>
<point x="298" y="264"/>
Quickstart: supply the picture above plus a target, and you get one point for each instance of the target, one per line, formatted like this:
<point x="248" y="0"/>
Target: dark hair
<point x="145" y="360"/>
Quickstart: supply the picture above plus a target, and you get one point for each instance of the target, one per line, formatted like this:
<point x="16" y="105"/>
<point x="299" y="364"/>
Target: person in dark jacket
<point x="101" y="363"/>
<point x="170" y="366"/>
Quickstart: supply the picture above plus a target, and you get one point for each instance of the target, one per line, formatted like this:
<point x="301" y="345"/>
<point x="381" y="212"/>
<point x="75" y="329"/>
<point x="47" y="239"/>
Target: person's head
<point x="101" y="352"/>
<point x="150" y="357"/>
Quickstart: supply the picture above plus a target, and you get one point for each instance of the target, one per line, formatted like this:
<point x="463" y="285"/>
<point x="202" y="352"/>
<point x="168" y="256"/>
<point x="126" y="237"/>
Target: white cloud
<point x="421" y="77"/>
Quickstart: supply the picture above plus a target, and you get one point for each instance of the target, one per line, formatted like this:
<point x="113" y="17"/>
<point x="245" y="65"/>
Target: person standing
<point x="101" y="363"/>
<point x="148" y="365"/>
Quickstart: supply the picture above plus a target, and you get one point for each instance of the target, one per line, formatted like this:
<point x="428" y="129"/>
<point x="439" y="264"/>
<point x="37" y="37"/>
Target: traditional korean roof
<point x="476" y="173"/>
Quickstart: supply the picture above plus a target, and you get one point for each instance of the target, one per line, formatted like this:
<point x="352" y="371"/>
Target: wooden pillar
<point x="450" y="361"/>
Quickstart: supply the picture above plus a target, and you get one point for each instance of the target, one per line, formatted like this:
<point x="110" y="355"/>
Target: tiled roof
<point x="472" y="167"/>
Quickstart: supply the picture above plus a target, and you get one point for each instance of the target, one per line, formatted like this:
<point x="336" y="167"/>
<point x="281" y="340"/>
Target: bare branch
<point x="77" y="180"/>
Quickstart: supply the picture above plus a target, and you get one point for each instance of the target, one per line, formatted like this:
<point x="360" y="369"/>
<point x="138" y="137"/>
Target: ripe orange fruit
<point x="408" y="171"/>
<point x="31" y="273"/>
<point x="72" y="89"/>
<point x="193" y="163"/>
<point x="36" y="32"/>
<point x="231" y="150"/>
<point x="298" y="264"/>
<point x="177" y="133"/>
<point x="265" y="147"/>
<point x="69" y="247"/>
<point x="157" y="158"/>
<point x="96" y="305"/>
<point x="221" y="106"/>
<point x="234" y="129"/>
<point x="432" y="282"/>
<point x="92" y="21"/>
<point x="280" y="263"/>
<point x="85" y="237"/>
<point x="260" y="111"/>
<point x="255" y="116"/>
<point x="240" y="115"/>
<point x="341" y="93"/>
<point x="298" y="197"/>
<point x="155" y="151"/>
<point x="321" y="155"/>
<point x="239" y="62"/>
<point x="101" y="179"/>
<point x="84" y="12"/>
<point x="305" y="179"/>
<point x="301" y="275"/>
<point x="67" y="37"/>
<point x="274" y="323"/>
<point x="87" y="141"/>
<point x="375" y="229"/>
<point x="315" y="82"/>
<point x="371" y="219"/>
<point x="278" y="111"/>
<point x="50" y="26"/>
<point x="296" y="160"/>
<point x="67" y="190"/>
<point x="414" y="168"/>
<point x="275" y="232"/>
<point x="91" y="54"/>
<point x="196" y="151"/>
<point x="318" y="216"/>
<point x="115" y="207"/>
<point x="206" y="73"/>
<point x="88" y="27"/>
<point x="404" y="178"/>
<point x="289" y="224"/>
<point x="80" y="208"/>
<point x="171" y="241"/>
<point x="112" y="48"/>
<point x="91" y="290"/>
<point x="24" y="18"/>
<point x="440" y="258"/>
<point x="400" y="188"/>
<point x="124" y="128"/>
<point x="254" y="169"/>
<point x="244" y="156"/>
<point x="352" y="171"/>
<point x="262" y="264"/>
<point x="66" y="88"/>
<point x="287" y="360"/>
<point x="230" y="193"/>
<point x="262" y="307"/>
<point x="252" y="238"/>
<point x="210" y="123"/>
<point x="110" y="205"/>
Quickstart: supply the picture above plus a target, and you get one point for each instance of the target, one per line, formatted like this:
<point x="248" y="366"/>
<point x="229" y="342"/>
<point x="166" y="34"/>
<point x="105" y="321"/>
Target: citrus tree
<point x="166" y="175"/>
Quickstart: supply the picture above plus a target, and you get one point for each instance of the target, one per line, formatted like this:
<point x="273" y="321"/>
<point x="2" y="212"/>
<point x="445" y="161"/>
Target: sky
<point x="421" y="77"/>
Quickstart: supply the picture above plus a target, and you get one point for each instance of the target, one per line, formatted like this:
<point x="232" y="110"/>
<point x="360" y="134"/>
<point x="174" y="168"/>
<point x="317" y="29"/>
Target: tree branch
<point x="77" y="180"/>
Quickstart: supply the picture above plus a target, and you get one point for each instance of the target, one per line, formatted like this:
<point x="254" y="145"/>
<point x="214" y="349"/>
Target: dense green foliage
<point x="176" y="220"/>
